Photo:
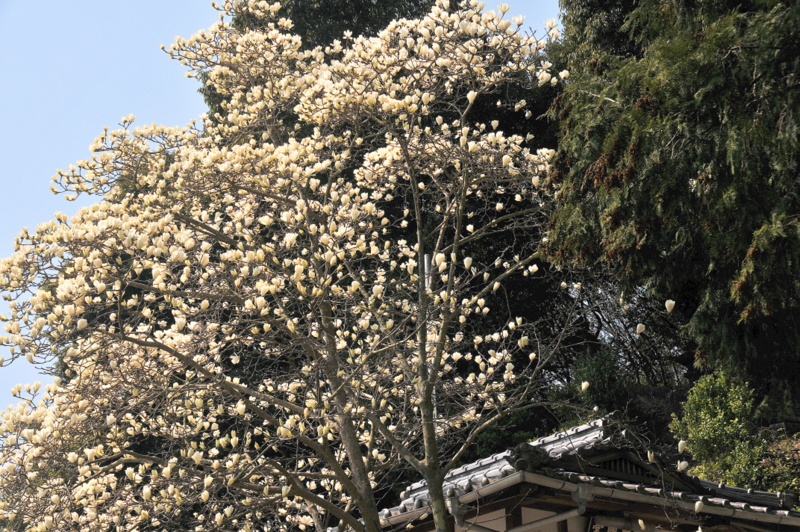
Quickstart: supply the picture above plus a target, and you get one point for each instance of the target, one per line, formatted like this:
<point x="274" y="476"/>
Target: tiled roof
<point x="479" y="472"/>
<point x="551" y="461"/>
<point x="710" y="503"/>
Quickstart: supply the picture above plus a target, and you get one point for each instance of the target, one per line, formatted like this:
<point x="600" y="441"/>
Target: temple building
<point x="590" y="478"/>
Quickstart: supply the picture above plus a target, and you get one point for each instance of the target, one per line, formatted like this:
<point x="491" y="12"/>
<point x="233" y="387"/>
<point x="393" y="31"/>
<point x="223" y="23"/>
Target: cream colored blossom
<point x="248" y="287"/>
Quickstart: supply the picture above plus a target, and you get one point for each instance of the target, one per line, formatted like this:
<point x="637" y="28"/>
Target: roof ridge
<point x="454" y="475"/>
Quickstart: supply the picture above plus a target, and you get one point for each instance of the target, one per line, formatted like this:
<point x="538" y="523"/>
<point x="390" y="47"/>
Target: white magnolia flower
<point x="253" y="240"/>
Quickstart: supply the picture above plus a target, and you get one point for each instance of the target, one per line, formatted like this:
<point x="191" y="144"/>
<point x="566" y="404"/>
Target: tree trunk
<point x="438" y="506"/>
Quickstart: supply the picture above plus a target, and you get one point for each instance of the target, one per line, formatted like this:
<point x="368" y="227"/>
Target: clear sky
<point x="70" y="68"/>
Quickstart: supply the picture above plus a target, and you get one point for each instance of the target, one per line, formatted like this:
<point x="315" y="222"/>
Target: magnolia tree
<point x="266" y="315"/>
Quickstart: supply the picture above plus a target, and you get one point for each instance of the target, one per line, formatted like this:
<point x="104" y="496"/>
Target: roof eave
<point x="596" y="491"/>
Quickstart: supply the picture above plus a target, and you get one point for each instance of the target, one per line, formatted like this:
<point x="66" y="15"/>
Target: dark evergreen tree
<point x="678" y="169"/>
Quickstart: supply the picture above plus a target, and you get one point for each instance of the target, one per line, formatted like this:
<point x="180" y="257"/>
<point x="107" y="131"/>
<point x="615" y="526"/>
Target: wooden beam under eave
<point x="514" y="517"/>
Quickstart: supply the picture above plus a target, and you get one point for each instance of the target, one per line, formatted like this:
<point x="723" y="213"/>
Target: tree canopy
<point x="341" y="275"/>
<point x="677" y="168"/>
<point x="260" y="325"/>
<point x="320" y="22"/>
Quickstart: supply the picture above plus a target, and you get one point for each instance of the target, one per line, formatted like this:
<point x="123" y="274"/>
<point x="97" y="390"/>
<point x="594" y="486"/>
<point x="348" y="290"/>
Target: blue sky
<point x="70" y="68"/>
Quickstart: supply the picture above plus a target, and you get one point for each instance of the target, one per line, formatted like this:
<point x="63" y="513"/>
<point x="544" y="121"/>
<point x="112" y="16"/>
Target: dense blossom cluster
<point x="267" y="313"/>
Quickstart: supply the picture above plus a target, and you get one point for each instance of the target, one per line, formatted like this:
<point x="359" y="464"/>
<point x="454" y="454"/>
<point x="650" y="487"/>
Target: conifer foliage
<point x="678" y="167"/>
<point x="249" y="334"/>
